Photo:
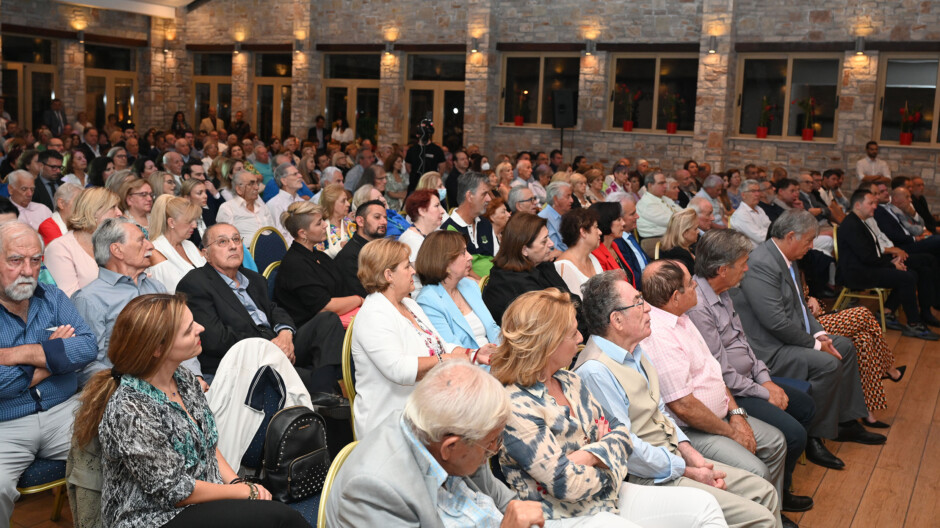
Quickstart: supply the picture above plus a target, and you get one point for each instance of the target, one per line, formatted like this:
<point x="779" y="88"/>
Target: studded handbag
<point x="296" y="458"/>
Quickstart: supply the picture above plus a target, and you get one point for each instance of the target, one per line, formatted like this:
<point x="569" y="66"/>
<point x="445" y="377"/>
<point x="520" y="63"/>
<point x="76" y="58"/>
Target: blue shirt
<point x="240" y="289"/>
<point x="647" y="461"/>
<point x="554" y="227"/>
<point x="271" y="189"/>
<point x="48" y="308"/>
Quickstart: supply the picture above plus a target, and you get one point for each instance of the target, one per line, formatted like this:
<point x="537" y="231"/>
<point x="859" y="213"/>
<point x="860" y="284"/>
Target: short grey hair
<point x="114" y="150"/>
<point x="13" y="230"/>
<point x="469" y="182"/>
<point x="14" y="178"/>
<point x="697" y="202"/>
<point x="717" y="248"/>
<point x="110" y="231"/>
<point x="554" y="189"/>
<point x="797" y="221"/>
<point x="237" y="177"/>
<point x="712" y="181"/>
<point x="651" y="177"/>
<point x="747" y="184"/>
<point x="328" y="175"/>
<point x="117" y="178"/>
<point x="476" y="403"/>
<point x="67" y="192"/>
<point x="515" y="194"/>
<point x="170" y="154"/>
<point x="619" y="197"/>
<point x="361" y="195"/>
<point x="280" y="172"/>
<point x="600" y="299"/>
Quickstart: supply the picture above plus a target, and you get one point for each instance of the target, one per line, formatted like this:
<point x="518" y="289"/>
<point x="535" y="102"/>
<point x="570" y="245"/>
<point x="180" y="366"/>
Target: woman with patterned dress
<point x="160" y="462"/>
<point x="339" y="228"/>
<point x="558" y="447"/>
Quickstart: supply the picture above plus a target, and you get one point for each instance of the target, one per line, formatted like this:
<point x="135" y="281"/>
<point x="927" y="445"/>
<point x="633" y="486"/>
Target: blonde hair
<point x="378" y="256"/>
<point x="562" y="177"/>
<point x="299" y="215"/>
<point x="678" y="225"/>
<point x="329" y="196"/>
<point x="168" y="206"/>
<point x="92" y="202"/>
<point x="533" y="326"/>
<point x="157" y="181"/>
<point x="430" y="180"/>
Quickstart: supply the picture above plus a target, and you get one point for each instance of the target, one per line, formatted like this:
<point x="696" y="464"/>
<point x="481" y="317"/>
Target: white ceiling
<point x="156" y="8"/>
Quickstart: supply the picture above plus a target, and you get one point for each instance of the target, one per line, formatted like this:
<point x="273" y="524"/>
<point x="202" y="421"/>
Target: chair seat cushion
<point x="308" y="508"/>
<point x="42" y="471"/>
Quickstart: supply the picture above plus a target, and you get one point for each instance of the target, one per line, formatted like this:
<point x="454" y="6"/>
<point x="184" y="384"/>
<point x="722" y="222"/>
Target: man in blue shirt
<point x="43" y="344"/>
<point x="558" y="197"/>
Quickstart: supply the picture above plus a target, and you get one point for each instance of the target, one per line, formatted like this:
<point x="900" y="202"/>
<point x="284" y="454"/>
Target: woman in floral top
<point x="160" y="464"/>
<point x="335" y="208"/>
<point x="558" y="446"/>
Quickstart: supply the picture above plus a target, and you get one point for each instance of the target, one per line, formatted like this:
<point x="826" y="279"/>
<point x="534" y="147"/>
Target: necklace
<point x="420" y="232"/>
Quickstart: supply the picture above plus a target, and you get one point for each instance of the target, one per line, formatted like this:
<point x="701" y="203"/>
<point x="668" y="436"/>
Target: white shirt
<point x="247" y="222"/>
<point x="476" y="325"/>
<point x="871" y="167"/>
<point x="413" y="240"/>
<point x="278" y="205"/>
<point x="33" y="214"/>
<point x="654" y="214"/>
<point x="171" y="271"/>
<point x="573" y="276"/>
<point x="753" y="222"/>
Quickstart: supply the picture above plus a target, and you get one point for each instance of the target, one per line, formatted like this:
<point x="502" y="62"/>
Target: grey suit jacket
<point x="385" y="483"/>
<point x="769" y="303"/>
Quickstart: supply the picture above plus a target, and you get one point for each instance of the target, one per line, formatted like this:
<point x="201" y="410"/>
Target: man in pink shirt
<point x="692" y="384"/>
<point x="22" y="185"/>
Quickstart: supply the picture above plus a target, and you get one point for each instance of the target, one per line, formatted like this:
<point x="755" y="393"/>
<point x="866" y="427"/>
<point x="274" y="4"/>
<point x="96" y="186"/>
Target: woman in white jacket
<point x="393" y="343"/>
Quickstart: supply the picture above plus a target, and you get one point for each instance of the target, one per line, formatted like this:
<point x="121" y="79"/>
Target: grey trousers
<point x="47" y="434"/>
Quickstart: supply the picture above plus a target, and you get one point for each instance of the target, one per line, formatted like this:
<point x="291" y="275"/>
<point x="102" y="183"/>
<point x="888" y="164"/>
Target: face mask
<point x="442" y="193"/>
<point x="485" y="166"/>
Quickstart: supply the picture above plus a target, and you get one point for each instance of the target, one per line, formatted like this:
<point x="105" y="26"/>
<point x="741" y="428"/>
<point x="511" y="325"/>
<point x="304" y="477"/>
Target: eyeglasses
<point x="143" y="195"/>
<point x="527" y="200"/>
<point x="53" y="167"/>
<point x="224" y="242"/>
<point x="250" y="184"/>
<point x="639" y="302"/>
<point x="490" y="452"/>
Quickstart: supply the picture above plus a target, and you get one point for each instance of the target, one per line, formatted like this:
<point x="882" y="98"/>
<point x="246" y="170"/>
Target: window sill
<point x="531" y="126"/>
<point x="913" y="146"/>
<point x="788" y="139"/>
<point x="650" y="132"/>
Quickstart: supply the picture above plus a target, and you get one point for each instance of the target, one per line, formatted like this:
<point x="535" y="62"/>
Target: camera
<point x="425" y="130"/>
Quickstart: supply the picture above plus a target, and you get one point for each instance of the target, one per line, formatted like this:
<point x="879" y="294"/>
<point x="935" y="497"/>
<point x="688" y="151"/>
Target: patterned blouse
<point x="336" y="235"/>
<point x="153" y="453"/>
<point x="540" y="434"/>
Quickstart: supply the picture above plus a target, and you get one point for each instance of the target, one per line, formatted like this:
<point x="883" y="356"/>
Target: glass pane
<point x="285" y="110"/>
<point x="224" y="103"/>
<point x="27" y="49"/>
<point x="522" y="89"/>
<point x="108" y="58"/>
<point x="816" y="79"/>
<point x="273" y="64"/>
<point x="367" y="112"/>
<point x="910" y="83"/>
<point x="679" y="78"/>
<point x="212" y="64"/>
<point x="203" y="95"/>
<point x="41" y="87"/>
<point x="561" y="73"/>
<point x="264" y="108"/>
<point x="95" y="99"/>
<point x="453" y="119"/>
<point x="11" y="96"/>
<point x="638" y="77"/>
<point x="420" y="106"/>
<point x="336" y="99"/>
<point x="353" y="66"/>
<point x="763" y="78"/>
<point x="437" y="67"/>
<point x="124" y="100"/>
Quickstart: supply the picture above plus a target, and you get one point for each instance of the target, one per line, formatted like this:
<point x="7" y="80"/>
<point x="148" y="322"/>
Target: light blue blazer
<point x="447" y="319"/>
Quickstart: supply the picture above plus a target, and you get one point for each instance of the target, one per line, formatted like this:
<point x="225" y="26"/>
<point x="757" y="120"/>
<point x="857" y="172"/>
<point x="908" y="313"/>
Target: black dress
<point x="505" y="286"/>
<point x="306" y="282"/>
<point x="682" y="255"/>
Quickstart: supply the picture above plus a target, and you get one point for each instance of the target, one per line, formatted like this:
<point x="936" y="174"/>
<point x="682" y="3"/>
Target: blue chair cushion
<point x="269" y="248"/>
<point x="270" y="280"/>
<point x="308" y="508"/>
<point x="42" y="471"/>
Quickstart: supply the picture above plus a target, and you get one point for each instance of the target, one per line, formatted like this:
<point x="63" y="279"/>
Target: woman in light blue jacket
<point x="452" y="301"/>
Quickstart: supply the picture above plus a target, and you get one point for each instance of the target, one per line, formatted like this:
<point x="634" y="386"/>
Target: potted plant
<point x="767" y="111"/>
<point x="628" y="99"/>
<point x="908" y="121"/>
<point x="808" y="105"/>
<point x="671" y="103"/>
<point x="523" y="95"/>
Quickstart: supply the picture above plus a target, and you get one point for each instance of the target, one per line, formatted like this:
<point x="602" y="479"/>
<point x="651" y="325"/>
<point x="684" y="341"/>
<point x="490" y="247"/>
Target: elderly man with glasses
<point x="246" y="211"/>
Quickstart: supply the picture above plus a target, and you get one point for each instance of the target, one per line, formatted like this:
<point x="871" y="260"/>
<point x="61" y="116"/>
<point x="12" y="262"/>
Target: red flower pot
<point x="519" y="120"/>
<point x="628" y="126"/>
<point x="907" y="138"/>
<point x="807" y="134"/>
<point x="761" y="131"/>
<point x="671" y="127"/>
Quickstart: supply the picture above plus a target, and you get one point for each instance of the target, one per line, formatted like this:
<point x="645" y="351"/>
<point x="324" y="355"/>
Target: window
<point x="110" y="84"/>
<point x="212" y="86"/>
<point x="108" y="58"/>
<point x="774" y="92"/>
<point x="27" y="50"/>
<point x="435" y="88"/>
<point x="273" y="90"/>
<point x="530" y="84"/>
<point x="646" y="82"/>
<point x="351" y="85"/>
<point x="212" y="64"/>
<point x="30" y="78"/>
<point x="908" y="84"/>
<point x="273" y="65"/>
<point x="352" y="66"/>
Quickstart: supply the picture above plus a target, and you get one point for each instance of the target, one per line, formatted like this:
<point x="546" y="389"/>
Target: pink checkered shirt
<point x="684" y="362"/>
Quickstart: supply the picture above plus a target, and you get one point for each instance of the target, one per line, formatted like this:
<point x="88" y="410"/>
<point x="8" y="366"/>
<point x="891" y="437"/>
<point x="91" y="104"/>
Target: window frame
<point x="880" y="86"/>
<point x="438" y="88"/>
<point x="612" y="83"/>
<point x="785" y="118"/>
<point x="213" y="81"/>
<point x="352" y="87"/>
<point x="541" y="56"/>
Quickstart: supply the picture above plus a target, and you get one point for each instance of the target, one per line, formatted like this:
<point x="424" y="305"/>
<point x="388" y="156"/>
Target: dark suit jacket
<point x="684" y="197"/>
<point x="505" y="286"/>
<point x="858" y="254"/>
<point x="920" y="205"/>
<point x="680" y="254"/>
<point x="41" y="194"/>
<point x="773" y="210"/>
<point x="215" y="306"/>
<point x="89" y="154"/>
<point x="347" y="260"/>
<point x="54" y="122"/>
<point x="892" y="229"/>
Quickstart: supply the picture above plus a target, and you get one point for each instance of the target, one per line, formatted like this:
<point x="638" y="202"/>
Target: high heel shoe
<point x="901" y="369"/>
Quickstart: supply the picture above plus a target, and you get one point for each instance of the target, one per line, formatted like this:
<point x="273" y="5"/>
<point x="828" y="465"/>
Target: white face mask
<point x="485" y="166"/>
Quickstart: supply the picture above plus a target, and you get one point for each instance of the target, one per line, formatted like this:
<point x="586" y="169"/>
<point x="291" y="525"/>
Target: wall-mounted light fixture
<point x="712" y="45"/>
<point x="590" y="48"/>
<point x="238" y="47"/>
<point x="859" y="45"/>
<point x="81" y="36"/>
<point x="474" y="45"/>
<point x="389" y="47"/>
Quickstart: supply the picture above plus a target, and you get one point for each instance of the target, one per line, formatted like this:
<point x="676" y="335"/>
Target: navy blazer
<point x="447" y="319"/>
<point x="892" y="228"/>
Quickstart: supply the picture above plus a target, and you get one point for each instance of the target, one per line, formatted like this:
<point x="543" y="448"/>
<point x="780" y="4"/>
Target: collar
<point x="112" y="277"/>
<point x="667" y="318"/>
<point x="551" y="212"/>
<point x="706" y="292"/>
<point x="147" y="389"/>
<point x="779" y="203"/>
<point x="785" y="259"/>
<point x="461" y="222"/>
<point x="612" y="350"/>
<point x="239" y="276"/>
<point x="435" y="474"/>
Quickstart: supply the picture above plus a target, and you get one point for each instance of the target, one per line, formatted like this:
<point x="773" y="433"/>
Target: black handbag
<point x="296" y="458"/>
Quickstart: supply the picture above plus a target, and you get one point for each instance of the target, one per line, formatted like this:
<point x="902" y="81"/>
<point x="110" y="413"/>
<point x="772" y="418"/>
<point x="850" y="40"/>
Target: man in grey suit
<point x="792" y="343"/>
<point x="428" y="464"/>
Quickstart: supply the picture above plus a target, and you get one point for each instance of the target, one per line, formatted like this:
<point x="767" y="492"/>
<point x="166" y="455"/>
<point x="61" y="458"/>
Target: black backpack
<point x="296" y="458"/>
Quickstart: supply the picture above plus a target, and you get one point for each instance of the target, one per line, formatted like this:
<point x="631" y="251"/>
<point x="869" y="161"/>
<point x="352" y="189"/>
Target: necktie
<point x="799" y="293"/>
<point x="639" y="251"/>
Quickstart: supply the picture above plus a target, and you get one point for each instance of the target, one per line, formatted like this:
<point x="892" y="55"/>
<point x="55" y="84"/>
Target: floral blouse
<point x="153" y="452"/>
<point x="336" y="235"/>
<point x="430" y="338"/>
<point x="394" y="185"/>
<point x="539" y="435"/>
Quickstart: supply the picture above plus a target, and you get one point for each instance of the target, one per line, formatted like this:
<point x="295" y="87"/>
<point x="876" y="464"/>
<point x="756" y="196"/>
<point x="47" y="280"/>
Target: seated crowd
<point x="535" y="344"/>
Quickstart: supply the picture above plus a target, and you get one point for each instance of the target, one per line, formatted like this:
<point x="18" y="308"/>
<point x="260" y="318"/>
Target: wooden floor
<point x="897" y="484"/>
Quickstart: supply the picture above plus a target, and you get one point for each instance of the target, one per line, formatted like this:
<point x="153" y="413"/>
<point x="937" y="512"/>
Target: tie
<point x="639" y="251"/>
<point x="800" y="297"/>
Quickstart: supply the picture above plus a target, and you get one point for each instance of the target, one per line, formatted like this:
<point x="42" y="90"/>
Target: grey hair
<point x="328" y="175"/>
<point x="696" y="204"/>
<point x="469" y="182"/>
<point x="515" y="194"/>
<point x="651" y="178"/>
<point x="114" y="150"/>
<point x="116" y="179"/>
<point x="670" y="179"/>
<point x="600" y="298"/>
<point x="110" y="231"/>
<point x="717" y="248"/>
<point x="712" y="181"/>
<point x="361" y="154"/>
<point x="747" y="184"/>
<point x="280" y="172"/>
<point x="456" y="398"/>
<point x="13" y="230"/>
<point x="168" y="155"/>
<point x="236" y="180"/>
<point x="619" y="197"/>
<point x="798" y="221"/>
<point x="67" y="192"/>
<point x="361" y="195"/>
<point x="14" y="177"/>
<point x="554" y="189"/>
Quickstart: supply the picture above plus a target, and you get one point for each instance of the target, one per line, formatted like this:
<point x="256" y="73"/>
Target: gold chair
<point x="878" y="294"/>
<point x="659" y="244"/>
<point x="348" y="385"/>
<point x="32" y="481"/>
<point x="328" y="481"/>
<point x="483" y="282"/>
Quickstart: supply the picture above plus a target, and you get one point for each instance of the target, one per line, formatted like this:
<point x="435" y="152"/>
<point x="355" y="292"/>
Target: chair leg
<point x="881" y="311"/>
<point x="60" y="495"/>
<point x="838" y="304"/>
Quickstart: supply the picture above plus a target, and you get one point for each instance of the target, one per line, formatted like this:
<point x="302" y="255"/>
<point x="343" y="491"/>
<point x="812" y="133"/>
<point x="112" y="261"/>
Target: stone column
<point x="480" y="101"/>
<point x="71" y="70"/>
<point x="714" y="109"/>
<point x="391" y="98"/>
<point x="305" y="65"/>
<point x="240" y="88"/>
<point x="164" y="79"/>
<point x="592" y="100"/>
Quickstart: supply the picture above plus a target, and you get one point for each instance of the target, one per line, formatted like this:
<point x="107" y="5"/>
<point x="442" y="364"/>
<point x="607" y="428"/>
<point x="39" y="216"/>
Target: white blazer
<point x="385" y="351"/>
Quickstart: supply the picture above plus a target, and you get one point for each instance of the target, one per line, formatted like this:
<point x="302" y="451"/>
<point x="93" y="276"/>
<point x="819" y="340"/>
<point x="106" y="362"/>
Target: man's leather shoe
<point x="796" y="503"/>
<point x="788" y="523"/>
<point x="817" y="453"/>
<point x="854" y="432"/>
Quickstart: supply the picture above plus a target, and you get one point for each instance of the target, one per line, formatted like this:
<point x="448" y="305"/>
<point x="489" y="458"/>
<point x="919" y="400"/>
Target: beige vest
<point x="646" y="420"/>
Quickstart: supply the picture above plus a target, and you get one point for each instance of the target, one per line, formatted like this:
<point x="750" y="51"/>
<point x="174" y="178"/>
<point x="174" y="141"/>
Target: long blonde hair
<point x="168" y="206"/>
<point x="678" y="225"/>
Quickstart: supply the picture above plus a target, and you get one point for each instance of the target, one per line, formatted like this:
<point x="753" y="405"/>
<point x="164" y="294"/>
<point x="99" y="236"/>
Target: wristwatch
<point x="739" y="412"/>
